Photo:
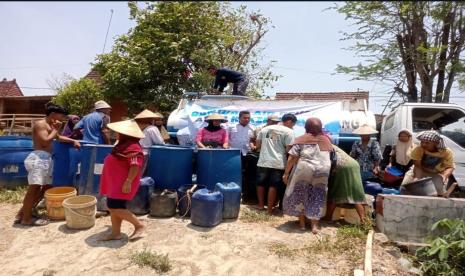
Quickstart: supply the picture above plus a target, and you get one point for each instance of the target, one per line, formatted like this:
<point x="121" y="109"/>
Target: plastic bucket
<point x="54" y="198"/>
<point x="80" y="211"/>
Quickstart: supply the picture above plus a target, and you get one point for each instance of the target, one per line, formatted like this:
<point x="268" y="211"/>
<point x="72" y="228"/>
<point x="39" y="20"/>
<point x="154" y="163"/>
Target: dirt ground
<point x="236" y="247"/>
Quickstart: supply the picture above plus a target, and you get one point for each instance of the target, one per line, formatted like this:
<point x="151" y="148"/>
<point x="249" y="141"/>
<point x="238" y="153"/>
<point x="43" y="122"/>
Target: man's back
<point x="274" y="140"/>
<point x="93" y="124"/>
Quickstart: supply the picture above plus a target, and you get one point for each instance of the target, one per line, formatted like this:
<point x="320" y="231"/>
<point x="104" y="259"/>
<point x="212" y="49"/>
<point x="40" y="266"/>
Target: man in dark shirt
<point x="223" y="76"/>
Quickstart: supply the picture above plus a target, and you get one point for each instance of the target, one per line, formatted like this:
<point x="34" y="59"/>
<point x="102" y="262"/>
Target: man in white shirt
<point x="241" y="137"/>
<point x="273" y="142"/>
<point x="145" y="120"/>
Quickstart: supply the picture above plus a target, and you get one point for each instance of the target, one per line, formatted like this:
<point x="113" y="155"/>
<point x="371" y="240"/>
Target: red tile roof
<point x="322" y="96"/>
<point x="10" y="88"/>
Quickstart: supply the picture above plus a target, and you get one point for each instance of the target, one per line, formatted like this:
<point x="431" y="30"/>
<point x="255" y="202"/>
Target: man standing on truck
<point x="223" y="76"/>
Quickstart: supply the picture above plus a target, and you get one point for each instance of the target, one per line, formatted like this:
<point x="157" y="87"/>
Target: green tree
<point x="148" y="64"/>
<point x="409" y="43"/>
<point x="79" y="96"/>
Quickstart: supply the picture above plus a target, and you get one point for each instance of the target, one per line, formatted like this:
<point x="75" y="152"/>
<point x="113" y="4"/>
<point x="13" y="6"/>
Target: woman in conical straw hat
<point x="213" y="135"/>
<point x="367" y="152"/>
<point x="121" y="177"/>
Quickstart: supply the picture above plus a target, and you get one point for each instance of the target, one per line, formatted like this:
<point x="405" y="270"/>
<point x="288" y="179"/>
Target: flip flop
<point x="38" y="222"/>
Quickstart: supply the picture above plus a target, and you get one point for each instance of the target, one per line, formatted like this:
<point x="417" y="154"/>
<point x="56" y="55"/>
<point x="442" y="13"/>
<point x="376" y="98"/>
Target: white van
<point x="447" y="119"/>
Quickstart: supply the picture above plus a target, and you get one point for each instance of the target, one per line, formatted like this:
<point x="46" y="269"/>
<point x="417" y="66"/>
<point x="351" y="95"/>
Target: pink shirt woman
<point x="213" y="135"/>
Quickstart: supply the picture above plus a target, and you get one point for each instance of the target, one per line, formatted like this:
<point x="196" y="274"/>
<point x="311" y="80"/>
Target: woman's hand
<point x="376" y="170"/>
<point x="286" y="178"/>
<point x="126" y="187"/>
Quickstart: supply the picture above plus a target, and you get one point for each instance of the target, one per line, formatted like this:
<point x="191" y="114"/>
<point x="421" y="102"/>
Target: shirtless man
<point x="39" y="162"/>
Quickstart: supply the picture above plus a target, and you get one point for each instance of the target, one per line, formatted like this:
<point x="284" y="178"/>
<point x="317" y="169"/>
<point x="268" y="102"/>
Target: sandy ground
<point x="231" y="248"/>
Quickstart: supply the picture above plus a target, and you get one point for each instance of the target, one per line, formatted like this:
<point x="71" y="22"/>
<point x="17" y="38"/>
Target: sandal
<point x="38" y="222"/>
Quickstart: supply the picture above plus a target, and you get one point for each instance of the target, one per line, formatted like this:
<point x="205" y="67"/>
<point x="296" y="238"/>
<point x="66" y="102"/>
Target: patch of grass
<point x="348" y="244"/>
<point x="249" y="215"/>
<point x="15" y="195"/>
<point x="350" y="232"/>
<point x="49" y="272"/>
<point x="158" y="262"/>
<point x="282" y="250"/>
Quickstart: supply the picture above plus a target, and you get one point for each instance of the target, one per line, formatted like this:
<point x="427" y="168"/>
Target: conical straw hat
<point x="147" y="114"/>
<point x="365" y="130"/>
<point x="128" y="127"/>
<point x="216" y="116"/>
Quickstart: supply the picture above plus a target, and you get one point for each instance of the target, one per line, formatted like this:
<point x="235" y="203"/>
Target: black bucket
<point x="163" y="203"/>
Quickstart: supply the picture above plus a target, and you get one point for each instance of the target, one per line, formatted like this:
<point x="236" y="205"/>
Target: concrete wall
<point x="409" y="218"/>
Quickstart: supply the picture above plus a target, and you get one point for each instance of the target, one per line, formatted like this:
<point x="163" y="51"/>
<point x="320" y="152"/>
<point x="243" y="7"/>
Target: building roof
<point x="10" y="88"/>
<point x="95" y="76"/>
<point x="322" y="96"/>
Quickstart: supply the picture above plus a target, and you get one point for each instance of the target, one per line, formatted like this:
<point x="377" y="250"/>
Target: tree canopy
<point x="172" y="45"/>
<point x="416" y="45"/>
<point x="79" y="96"/>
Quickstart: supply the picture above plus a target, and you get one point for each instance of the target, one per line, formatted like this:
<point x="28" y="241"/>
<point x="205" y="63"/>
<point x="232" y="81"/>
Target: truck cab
<point x="447" y="119"/>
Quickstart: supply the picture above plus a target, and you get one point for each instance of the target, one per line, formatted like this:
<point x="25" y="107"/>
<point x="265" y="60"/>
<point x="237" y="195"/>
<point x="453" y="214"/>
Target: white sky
<point x="41" y="40"/>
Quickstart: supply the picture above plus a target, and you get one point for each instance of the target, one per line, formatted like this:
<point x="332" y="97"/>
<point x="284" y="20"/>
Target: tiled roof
<point x="95" y="76"/>
<point x="10" y="88"/>
<point x="322" y="96"/>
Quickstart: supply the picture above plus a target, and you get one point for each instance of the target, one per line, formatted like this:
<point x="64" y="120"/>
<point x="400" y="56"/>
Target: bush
<point x="445" y="253"/>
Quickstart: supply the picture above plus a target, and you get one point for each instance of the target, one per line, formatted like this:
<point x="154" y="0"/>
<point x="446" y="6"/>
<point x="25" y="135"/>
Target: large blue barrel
<point x="170" y="166"/>
<point x="60" y="175"/>
<point x="66" y="160"/>
<point x="184" y="203"/>
<point x="232" y="199"/>
<point x="218" y="165"/>
<point x="140" y="204"/>
<point x="92" y="158"/>
<point x="13" y="152"/>
<point x="207" y="208"/>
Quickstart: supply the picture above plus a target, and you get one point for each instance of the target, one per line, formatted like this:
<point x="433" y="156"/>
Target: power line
<point x="39" y="88"/>
<point x="41" y="66"/>
<point x="108" y="29"/>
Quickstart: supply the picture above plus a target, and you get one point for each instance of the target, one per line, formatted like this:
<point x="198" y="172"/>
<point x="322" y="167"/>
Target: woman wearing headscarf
<point x="213" y="135"/>
<point x="430" y="159"/>
<point x="309" y="161"/>
<point x="400" y="154"/>
<point x="367" y="152"/>
<point x="121" y="177"/>
<point x="68" y="130"/>
<point x="345" y="185"/>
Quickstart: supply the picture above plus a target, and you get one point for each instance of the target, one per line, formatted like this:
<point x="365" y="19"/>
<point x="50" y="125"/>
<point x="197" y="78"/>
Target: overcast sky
<point x="43" y="40"/>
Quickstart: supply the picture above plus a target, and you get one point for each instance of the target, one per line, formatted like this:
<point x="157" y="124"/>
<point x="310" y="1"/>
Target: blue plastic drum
<point x="170" y="166"/>
<point x="92" y="158"/>
<point x="217" y="166"/>
<point x="207" y="208"/>
<point x="13" y="152"/>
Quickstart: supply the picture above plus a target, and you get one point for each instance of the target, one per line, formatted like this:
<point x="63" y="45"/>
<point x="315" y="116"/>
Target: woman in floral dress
<point x="309" y="161"/>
